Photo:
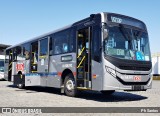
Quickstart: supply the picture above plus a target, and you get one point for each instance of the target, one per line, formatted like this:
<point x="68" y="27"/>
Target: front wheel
<point x="109" y="92"/>
<point x="70" y="86"/>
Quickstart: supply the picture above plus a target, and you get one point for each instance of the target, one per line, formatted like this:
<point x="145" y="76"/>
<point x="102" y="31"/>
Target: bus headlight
<point x="110" y="71"/>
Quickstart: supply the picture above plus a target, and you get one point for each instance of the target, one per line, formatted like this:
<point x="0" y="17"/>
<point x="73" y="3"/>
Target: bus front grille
<point x="134" y="68"/>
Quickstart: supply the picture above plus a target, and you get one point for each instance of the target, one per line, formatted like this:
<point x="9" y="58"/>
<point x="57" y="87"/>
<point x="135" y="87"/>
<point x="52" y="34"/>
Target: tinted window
<point x="96" y="43"/>
<point x="19" y="52"/>
<point x="61" y="42"/>
<point x="14" y="54"/>
<point x="1" y="63"/>
<point x="34" y="57"/>
<point x="51" y="45"/>
<point x="72" y="41"/>
<point x="7" y="56"/>
<point x="26" y="51"/>
<point x="44" y="47"/>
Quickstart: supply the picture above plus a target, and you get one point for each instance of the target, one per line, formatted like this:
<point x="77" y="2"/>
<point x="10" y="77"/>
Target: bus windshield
<point x="127" y="43"/>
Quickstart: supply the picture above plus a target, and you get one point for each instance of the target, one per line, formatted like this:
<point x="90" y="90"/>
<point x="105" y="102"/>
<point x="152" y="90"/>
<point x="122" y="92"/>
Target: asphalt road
<point x="11" y="96"/>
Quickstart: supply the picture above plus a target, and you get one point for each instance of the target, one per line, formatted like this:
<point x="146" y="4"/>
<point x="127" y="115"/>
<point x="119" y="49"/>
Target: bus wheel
<point x="20" y="86"/>
<point x="69" y="86"/>
<point x="109" y="92"/>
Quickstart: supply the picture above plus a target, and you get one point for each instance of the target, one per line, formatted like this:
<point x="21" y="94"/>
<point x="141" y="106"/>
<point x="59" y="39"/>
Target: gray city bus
<point x="104" y="52"/>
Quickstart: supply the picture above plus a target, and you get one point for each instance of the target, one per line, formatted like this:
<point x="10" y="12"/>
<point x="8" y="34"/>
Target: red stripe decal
<point x="74" y="73"/>
<point x="59" y="74"/>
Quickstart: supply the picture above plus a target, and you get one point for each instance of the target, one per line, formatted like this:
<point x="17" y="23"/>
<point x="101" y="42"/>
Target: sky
<point x="21" y="20"/>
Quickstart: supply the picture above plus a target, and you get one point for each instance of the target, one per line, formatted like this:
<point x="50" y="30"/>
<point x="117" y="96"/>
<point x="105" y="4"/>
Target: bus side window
<point x="72" y="40"/>
<point x="44" y="47"/>
<point x="65" y="47"/>
<point x="50" y="45"/>
<point x="7" y="56"/>
<point x="26" y="51"/>
<point x="57" y="50"/>
<point x="61" y="42"/>
<point x="14" y="55"/>
<point x="96" y="43"/>
<point x="19" y="52"/>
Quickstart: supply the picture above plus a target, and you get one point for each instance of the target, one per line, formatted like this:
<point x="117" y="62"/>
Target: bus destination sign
<point x="114" y="18"/>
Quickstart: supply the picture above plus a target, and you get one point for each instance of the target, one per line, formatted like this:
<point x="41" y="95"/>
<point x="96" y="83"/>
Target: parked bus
<point x="2" y="58"/>
<point x="104" y="52"/>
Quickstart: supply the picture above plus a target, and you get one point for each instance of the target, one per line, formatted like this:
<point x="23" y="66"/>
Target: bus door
<point x="43" y="55"/>
<point x="84" y="58"/>
<point x="34" y="57"/>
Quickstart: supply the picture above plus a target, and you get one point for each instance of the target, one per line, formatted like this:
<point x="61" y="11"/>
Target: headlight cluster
<point x="110" y="71"/>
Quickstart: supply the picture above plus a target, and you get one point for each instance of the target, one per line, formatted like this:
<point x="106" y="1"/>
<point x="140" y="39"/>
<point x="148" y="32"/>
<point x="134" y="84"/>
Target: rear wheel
<point x="109" y="92"/>
<point x="70" y="86"/>
<point x="20" y="86"/>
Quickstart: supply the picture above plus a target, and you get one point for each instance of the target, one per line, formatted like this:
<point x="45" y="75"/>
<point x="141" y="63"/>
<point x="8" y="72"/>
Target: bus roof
<point x="41" y="36"/>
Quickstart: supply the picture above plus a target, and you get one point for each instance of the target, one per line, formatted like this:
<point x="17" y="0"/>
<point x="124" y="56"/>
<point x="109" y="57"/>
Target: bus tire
<point x="20" y="86"/>
<point x="109" y="92"/>
<point x="70" y="86"/>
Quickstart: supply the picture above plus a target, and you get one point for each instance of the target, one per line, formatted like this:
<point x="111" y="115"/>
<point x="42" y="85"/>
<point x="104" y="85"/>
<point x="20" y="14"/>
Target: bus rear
<point x="126" y="54"/>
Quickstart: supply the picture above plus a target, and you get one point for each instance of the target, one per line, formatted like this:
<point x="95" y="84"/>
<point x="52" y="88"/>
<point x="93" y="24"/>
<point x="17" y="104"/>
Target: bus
<point x="2" y="58"/>
<point x="104" y="52"/>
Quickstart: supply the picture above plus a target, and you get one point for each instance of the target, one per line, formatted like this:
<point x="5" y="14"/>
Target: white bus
<point x="104" y="52"/>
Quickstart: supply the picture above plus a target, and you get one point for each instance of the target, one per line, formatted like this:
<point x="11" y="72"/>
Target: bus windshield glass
<point x="127" y="43"/>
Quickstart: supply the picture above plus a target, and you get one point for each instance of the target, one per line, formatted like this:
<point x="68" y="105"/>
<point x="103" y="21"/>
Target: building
<point x="156" y="64"/>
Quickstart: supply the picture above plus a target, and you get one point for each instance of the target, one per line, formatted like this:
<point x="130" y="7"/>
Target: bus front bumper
<point x="116" y="83"/>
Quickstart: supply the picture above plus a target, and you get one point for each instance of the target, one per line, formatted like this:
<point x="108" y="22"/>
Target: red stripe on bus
<point x="94" y="76"/>
<point x="74" y="73"/>
<point x="59" y="73"/>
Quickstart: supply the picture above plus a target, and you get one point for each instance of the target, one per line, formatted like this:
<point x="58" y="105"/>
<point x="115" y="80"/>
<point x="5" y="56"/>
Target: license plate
<point x="137" y="87"/>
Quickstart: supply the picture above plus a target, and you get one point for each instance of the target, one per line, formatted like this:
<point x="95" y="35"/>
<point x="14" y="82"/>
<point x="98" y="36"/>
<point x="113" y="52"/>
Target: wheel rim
<point x="70" y="85"/>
